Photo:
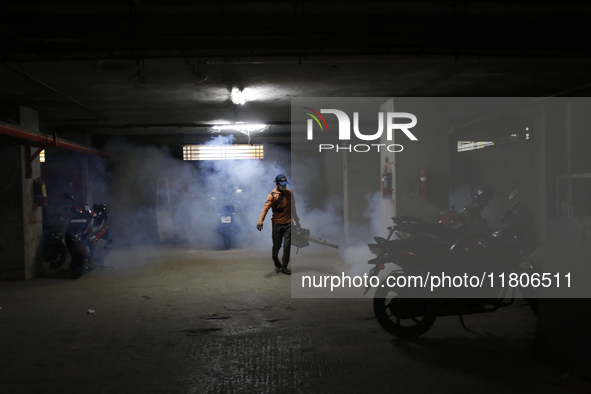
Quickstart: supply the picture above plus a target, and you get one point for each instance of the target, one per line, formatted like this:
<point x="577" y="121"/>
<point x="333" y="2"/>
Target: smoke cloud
<point x="196" y="191"/>
<point x="129" y="186"/>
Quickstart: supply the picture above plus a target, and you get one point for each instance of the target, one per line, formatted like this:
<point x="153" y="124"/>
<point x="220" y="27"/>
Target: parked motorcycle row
<point x="85" y="238"/>
<point x="462" y="241"/>
<point x="84" y="235"/>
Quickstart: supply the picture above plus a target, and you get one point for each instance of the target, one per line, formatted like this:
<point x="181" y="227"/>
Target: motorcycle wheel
<point x="402" y="317"/>
<point x="226" y="239"/>
<point x="530" y="295"/>
<point x="77" y="267"/>
<point x="56" y="254"/>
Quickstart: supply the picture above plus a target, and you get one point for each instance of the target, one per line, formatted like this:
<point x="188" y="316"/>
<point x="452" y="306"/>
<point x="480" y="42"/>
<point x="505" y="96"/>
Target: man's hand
<point x="259" y="226"/>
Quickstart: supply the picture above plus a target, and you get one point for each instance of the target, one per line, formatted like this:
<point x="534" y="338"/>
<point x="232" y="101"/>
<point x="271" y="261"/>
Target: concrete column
<point x="345" y="196"/>
<point x="562" y="334"/>
<point x="430" y="151"/>
<point x="388" y="164"/>
<point x="21" y="231"/>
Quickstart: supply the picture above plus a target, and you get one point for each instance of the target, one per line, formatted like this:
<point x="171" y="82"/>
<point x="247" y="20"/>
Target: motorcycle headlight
<point x="373" y="248"/>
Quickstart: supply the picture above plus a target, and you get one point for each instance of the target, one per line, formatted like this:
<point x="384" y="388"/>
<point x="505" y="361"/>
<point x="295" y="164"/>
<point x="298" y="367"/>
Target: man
<point x="280" y="200"/>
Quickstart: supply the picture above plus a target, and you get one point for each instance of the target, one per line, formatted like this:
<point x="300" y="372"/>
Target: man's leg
<point x="277" y="238"/>
<point x="286" y="244"/>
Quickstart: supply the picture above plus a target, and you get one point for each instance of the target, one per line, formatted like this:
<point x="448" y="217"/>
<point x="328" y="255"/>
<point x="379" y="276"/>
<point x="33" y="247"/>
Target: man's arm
<point x="266" y="207"/>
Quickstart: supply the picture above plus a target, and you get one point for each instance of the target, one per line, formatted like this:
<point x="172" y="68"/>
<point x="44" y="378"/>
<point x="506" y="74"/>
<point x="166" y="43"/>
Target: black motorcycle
<point x="228" y="227"/>
<point x="87" y="236"/>
<point x="54" y="249"/>
<point x="404" y="312"/>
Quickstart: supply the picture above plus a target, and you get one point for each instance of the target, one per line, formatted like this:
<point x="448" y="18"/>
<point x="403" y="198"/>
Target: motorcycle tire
<point x="226" y="235"/>
<point x="530" y="293"/>
<point x="55" y="254"/>
<point x="227" y="242"/>
<point x="77" y="267"/>
<point x="530" y="296"/>
<point x="402" y="317"/>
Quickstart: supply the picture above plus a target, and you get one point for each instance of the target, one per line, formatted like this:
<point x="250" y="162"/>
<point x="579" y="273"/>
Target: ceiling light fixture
<point x="240" y="97"/>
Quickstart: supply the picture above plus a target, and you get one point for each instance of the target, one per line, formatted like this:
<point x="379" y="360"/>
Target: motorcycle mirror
<point x="69" y="196"/>
<point x="514" y="194"/>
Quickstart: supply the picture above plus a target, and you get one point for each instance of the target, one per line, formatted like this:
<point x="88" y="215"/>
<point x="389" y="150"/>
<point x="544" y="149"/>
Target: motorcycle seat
<point x="407" y="219"/>
<point x="431" y="229"/>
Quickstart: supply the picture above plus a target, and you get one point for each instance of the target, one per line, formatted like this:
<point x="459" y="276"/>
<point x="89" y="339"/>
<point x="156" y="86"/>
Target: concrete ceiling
<point x="164" y="71"/>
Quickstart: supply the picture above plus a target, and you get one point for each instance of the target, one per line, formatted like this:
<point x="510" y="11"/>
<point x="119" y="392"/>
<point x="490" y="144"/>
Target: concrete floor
<point x="178" y="319"/>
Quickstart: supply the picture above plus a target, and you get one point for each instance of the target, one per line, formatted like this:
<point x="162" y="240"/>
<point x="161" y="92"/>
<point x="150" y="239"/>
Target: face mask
<point x="282" y="187"/>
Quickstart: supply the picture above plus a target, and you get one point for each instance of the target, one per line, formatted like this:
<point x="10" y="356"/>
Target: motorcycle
<point x="468" y="246"/>
<point x="228" y="227"/>
<point x="87" y="236"/>
<point x="54" y="249"/>
<point x="452" y="225"/>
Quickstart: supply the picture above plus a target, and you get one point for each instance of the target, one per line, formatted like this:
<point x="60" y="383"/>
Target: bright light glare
<point x="245" y="128"/>
<point x="238" y="191"/>
<point x="223" y="152"/>
<point x="240" y="97"/>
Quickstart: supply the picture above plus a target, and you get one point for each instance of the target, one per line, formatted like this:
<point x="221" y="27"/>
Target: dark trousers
<point x="281" y="233"/>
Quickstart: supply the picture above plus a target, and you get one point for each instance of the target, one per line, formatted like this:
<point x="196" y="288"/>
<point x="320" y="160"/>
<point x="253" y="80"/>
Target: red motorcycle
<point x="87" y="236"/>
<point x="467" y="247"/>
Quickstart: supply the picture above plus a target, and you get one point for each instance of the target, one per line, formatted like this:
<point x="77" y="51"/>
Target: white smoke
<point x="196" y="191"/>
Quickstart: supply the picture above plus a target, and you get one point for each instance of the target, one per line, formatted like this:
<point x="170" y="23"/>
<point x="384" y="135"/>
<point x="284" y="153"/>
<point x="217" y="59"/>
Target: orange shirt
<point x="285" y="206"/>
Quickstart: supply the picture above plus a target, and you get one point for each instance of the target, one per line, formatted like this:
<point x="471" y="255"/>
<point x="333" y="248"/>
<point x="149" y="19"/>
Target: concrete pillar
<point x="346" y="219"/>
<point x="388" y="165"/>
<point x="11" y="208"/>
<point x="562" y="334"/>
<point x="21" y="232"/>
<point x="430" y="151"/>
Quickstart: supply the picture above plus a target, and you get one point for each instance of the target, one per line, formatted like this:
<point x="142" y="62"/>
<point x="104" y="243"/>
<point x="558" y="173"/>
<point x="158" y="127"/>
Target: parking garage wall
<point x="20" y="227"/>
<point x="431" y="152"/>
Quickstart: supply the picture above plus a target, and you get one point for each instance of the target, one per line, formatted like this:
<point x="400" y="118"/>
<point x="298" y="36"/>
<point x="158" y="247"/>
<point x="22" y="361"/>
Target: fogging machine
<point x="300" y="238"/>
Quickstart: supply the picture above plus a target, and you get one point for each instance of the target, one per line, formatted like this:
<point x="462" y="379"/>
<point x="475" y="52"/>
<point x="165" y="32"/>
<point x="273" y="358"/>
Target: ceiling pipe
<point x="45" y="140"/>
<point x="371" y="59"/>
<point x="78" y="103"/>
<point x="281" y="58"/>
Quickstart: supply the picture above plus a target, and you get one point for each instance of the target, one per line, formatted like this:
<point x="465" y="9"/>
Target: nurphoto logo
<point x="345" y="129"/>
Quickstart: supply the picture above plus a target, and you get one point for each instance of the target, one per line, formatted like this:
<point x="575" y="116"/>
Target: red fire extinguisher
<point x="423" y="178"/>
<point x="387" y="185"/>
<point x="40" y="193"/>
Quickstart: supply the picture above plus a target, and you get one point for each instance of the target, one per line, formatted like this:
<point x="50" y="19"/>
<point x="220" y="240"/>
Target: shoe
<point x="286" y="271"/>
<point x="278" y="266"/>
